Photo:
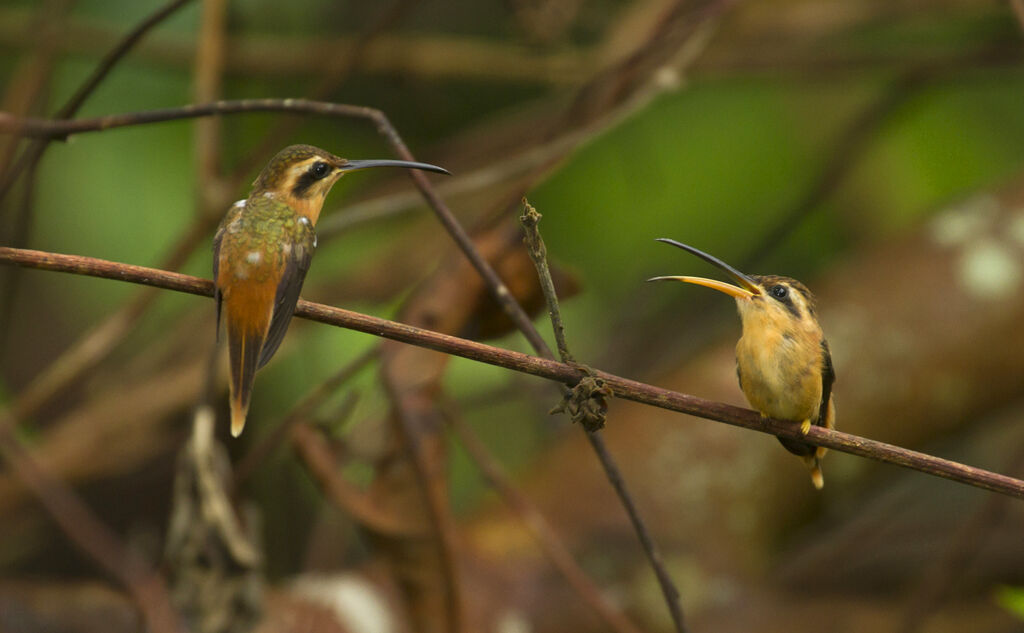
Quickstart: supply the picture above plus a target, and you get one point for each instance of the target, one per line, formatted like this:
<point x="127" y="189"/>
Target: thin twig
<point x="61" y="130"/>
<point x="623" y="388"/>
<point x="90" y="535"/>
<point x="539" y="526"/>
<point x="538" y="253"/>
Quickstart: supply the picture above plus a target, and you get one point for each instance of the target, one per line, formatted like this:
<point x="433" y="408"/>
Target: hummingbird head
<point x="302" y="172"/>
<point x="302" y="175"/>
<point x="765" y="302"/>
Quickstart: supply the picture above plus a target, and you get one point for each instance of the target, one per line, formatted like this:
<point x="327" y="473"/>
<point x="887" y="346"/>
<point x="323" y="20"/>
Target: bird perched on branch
<point x="261" y="253"/>
<point x="782" y="358"/>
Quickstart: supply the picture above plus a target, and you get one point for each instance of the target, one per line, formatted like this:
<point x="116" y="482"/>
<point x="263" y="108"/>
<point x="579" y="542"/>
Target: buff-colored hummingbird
<point x="782" y="359"/>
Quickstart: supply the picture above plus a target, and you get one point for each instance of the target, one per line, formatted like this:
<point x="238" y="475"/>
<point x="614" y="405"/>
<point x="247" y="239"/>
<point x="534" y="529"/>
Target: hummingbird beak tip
<point x="746" y="283"/>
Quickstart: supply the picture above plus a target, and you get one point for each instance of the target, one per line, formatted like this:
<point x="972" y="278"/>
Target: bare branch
<point x="62" y="129"/>
<point x="540" y="367"/>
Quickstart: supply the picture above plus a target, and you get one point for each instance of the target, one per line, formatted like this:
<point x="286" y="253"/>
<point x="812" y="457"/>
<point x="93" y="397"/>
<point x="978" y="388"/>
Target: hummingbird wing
<point x="261" y="254"/>
<point x="297" y="259"/>
<point x="828" y="377"/>
<point x="217" y="297"/>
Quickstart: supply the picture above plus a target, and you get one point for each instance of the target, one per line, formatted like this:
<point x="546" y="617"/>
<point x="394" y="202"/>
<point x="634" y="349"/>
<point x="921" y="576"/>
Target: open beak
<point x="353" y="165"/>
<point x="745" y="290"/>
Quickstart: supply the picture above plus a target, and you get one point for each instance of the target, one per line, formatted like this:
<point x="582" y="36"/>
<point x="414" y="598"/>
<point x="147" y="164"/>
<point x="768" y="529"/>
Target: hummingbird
<point x="782" y="359"/>
<point x="262" y="250"/>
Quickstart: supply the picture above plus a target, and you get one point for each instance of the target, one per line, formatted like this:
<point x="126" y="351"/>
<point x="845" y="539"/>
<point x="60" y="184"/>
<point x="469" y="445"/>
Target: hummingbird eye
<point x="779" y="291"/>
<point x="320" y="169"/>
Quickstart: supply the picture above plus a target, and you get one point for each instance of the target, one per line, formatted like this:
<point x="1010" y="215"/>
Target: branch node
<point x="587" y="402"/>
<point x="530" y="219"/>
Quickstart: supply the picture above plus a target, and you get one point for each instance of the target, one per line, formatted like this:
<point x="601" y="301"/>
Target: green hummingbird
<point x="261" y="253"/>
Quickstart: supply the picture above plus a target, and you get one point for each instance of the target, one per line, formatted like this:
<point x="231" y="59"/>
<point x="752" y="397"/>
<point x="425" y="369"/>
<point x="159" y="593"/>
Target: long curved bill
<point x="745" y="290"/>
<point x="353" y="165"/>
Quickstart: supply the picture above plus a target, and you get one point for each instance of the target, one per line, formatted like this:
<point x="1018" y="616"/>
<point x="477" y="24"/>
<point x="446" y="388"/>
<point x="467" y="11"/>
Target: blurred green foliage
<point x="1011" y="599"/>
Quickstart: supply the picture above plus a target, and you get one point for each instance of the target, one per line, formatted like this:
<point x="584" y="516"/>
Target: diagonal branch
<point x="623" y="388"/>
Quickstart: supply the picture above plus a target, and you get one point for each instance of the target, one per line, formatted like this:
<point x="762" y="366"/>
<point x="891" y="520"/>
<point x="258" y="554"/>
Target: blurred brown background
<point x="873" y="150"/>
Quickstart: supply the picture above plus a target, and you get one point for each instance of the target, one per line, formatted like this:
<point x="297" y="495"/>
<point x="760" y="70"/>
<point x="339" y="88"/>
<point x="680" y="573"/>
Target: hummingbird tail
<point x="239" y="410"/>
<point x="816" y="476"/>
<point x="244" y="352"/>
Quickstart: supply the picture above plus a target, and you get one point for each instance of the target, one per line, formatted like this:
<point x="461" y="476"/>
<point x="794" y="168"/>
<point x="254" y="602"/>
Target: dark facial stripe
<point x="303" y="184"/>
